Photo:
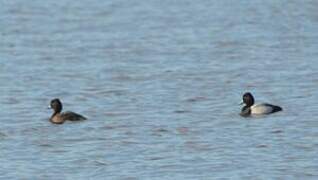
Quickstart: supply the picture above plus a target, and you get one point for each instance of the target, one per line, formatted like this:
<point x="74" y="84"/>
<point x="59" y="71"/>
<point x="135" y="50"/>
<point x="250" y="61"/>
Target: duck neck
<point x="56" y="112"/>
<point x="246" y="111"/>
<point x="251" y="103"/>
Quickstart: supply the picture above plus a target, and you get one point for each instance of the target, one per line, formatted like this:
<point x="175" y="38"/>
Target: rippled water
<point x="160" y="82"/>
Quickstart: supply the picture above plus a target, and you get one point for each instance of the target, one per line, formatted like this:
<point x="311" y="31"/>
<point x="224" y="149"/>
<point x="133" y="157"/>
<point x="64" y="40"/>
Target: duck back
<point x="72" y="116"/>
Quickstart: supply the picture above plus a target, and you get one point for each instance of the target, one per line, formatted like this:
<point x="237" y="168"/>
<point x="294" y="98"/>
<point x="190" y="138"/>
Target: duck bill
<point x="241" y="103"/>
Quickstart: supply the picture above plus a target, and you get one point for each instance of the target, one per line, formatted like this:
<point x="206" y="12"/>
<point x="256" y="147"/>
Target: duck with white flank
<point x="256" y="109"/>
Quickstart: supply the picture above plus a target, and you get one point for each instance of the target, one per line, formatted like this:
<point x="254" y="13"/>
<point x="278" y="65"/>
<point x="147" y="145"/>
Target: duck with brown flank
<point x="58" y="117"/>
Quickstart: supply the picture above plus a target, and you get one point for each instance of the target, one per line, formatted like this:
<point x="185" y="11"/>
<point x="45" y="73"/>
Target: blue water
<point x="160" y="82"/>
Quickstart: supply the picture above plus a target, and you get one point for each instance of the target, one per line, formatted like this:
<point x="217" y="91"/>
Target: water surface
<point x="160" y="82"/>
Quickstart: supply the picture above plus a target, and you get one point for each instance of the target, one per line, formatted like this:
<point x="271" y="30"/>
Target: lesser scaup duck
<point x="58" y="117"/>
<point x="257" y="109"/>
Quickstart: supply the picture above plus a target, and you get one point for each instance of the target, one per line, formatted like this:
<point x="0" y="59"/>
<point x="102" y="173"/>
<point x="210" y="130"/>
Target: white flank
<point x="261" y="109"/>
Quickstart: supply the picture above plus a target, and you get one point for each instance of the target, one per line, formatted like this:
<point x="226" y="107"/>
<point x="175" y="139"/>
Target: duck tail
<point x="277" y="108"/>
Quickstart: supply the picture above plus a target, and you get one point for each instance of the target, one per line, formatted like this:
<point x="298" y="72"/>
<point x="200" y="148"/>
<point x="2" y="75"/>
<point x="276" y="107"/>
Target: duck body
<point x="264" y="108"/>
<point x="58" y="117"/>
<point x="257" y="109"/>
